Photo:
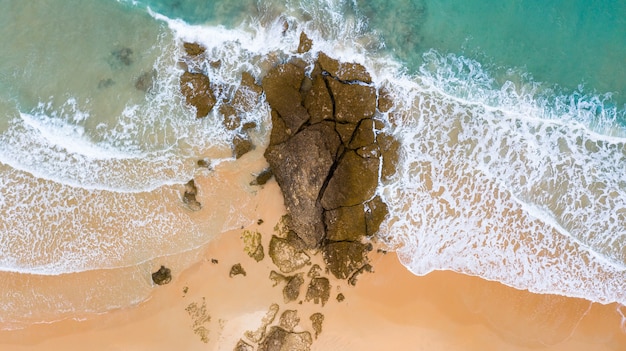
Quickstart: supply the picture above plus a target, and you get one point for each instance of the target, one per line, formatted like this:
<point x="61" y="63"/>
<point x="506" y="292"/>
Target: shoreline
<point x="443" y="310"/>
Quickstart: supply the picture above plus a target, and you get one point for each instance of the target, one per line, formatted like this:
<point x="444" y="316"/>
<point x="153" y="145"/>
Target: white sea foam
<point x="496" y="184"/>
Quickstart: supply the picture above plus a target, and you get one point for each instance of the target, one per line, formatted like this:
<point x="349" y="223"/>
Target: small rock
<point x="105" y="83"/>
<point x="189" y="196"/>
<point x="305" y="43"/>
<point x="196" y="88"/>
<point x="241" y="146"/>
<point x="340" y="297"/>
<point x="318" y="291"/>
<point x="385" y="100"/>
<point x="316" y="320"/>
<point x="343" y="258"/>
<point x="237" y="269"/>
<point x="162" y="276"/>
<point x="194" y="49"/>
<point x="263" y="177"/>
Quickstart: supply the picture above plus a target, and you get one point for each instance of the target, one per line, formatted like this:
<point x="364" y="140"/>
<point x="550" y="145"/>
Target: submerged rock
<point x="263" y="177"/>
<point x="196" y="88"/>
<point x="162" y="276"/>
<point x="355" y="181"/>
<point x="291" y="292"/>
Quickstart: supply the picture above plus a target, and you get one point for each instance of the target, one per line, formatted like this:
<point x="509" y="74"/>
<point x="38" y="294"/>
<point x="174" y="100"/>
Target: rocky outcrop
<point x="196" y="88"/>
<point x="325" y="151"/>
<point x="162" y="276"/>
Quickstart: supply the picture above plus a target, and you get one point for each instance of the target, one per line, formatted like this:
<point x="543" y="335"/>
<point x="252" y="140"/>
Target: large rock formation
<point x="325" y="152"/>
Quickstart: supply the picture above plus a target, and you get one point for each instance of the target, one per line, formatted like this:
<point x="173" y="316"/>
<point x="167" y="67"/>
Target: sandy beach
<point x="204" y="308"/>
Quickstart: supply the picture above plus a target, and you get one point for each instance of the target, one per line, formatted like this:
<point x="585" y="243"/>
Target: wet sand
<point x="203" y="308"/>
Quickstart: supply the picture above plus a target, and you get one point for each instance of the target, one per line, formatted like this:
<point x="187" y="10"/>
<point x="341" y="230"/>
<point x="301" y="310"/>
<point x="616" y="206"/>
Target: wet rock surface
<point x="196" y="88"/>
<point x="162" y="276"/>
<point x="326" y="149"/>
<point x="189" y="196"/>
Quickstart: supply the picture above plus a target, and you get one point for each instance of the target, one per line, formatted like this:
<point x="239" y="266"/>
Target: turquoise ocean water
<point x="511" y="116"/>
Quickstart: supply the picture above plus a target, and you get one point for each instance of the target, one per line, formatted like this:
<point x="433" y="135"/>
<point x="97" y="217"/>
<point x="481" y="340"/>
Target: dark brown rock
<point x="318" y="290"/>
<point x="344" y="71"/>
<point x="263" y="177"/>
<point x="243" y="346"/>
<point x="282" y="91"/>
<point x="194" y="49"/>
<point x="162" y="276"/>
<point x="241" y="146"/>
<point x="279" y="339"/>
<point x="286" y="256"/>
<point x="196" y="88"/>
<point x="305" y="43"/>
<point x="343" y="258"/>
<point x="189" y="196"/>
<point x="345" y="223"/>
<point x="314" y="147"/>
<point x="353" y="102"/>
<point x="318" y="101"/>
<point x="236" y="269"/>
<point x="354" y="182"/>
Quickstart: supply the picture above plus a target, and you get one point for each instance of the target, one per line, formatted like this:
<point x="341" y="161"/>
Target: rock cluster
<point x="326" y="151"/>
